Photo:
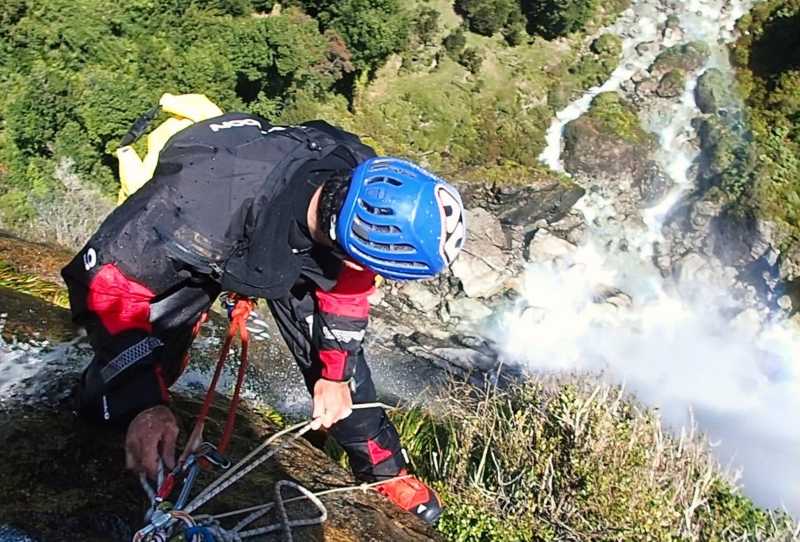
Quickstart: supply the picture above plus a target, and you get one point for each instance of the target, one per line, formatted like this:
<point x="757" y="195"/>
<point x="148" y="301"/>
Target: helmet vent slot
<point x="380" y="211"/>
<point x="393" y="263"/>
<point x="382" y="228"/>
<point x="383" y="180"/>
<point x="398" y="248"/>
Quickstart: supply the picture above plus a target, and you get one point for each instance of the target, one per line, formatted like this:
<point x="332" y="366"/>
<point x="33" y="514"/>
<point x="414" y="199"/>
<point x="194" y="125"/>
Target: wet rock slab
<point x="63" y="479"/>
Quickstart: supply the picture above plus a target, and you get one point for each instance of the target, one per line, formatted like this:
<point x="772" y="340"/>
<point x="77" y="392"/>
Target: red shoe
<point x="413" y="496"/>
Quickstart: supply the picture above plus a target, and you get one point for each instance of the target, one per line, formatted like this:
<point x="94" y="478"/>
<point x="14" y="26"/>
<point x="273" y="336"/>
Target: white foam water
<point x="677" y="347"/>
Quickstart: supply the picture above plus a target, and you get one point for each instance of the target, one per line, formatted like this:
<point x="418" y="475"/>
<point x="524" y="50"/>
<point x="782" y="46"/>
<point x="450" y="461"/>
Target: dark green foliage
<point x="488" y="16"/>
<point x="554" y="18"/>
<point x="768" y="60"/>
<point x="471" y="59"/>
<point x="729" y="157"/>
<point x="77" y="73"/>
<point x="262" y="6"/>
<point x="426" y="25"/>
<point x="514" y="30"/>
<point x="454" y="42"/>
<point x="372" y="29"/>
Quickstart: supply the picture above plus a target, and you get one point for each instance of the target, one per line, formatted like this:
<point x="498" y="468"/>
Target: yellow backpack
<point x="186" y="110"/>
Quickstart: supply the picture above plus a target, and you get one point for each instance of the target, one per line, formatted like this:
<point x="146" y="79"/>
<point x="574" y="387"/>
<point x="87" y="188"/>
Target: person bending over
<point x="302" y="216"/>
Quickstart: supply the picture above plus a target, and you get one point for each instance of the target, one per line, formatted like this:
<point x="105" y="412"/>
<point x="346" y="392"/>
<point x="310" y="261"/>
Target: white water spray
<point x="686" y="349"/>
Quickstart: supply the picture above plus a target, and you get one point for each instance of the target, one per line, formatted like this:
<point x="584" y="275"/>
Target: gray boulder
<point x="420" y="295"/>
<point x="653" y="183"/>
<point x="544" y="247"/>
<point x="481" y="266"/>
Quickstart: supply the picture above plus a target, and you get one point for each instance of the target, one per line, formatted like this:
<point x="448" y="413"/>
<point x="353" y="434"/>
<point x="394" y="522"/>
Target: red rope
<point x="238" y="324"/>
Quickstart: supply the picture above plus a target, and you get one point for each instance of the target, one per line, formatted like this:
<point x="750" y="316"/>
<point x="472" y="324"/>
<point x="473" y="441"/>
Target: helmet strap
<point x="332" y="229"/>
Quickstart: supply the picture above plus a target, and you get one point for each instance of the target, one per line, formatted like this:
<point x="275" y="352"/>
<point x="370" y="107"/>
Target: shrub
<point x="554" y="18"/>
<point x="372" y="29"/>
<point x="618" y="118"/>
<point x="455" y="42"/>
<point x="77" y="73"/>
<point x="471" y="59"/>
<point x="769" y="74"/>
<point x="426" y="25"/>
<point x="487" y="17"/>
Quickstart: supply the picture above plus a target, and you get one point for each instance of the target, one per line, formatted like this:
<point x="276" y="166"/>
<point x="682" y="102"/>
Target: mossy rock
<point x="714" y="91"/>
<point x="687" y="57"/>
<point x="618" y="118"/>
<point x="607" y="45"/>
<point x="672" y="84"/>
<point x="608" y="140"/>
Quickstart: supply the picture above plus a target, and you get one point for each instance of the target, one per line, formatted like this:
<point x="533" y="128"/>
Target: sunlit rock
<point x="544" y="246"/>
<point x="481" y="265"/>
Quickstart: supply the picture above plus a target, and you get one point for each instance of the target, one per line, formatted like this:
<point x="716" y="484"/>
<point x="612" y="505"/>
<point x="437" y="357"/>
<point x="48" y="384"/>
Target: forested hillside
<point x="76" y="74"/>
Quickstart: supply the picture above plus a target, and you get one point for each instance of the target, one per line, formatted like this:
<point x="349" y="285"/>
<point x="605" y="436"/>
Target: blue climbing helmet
<point x="400" y="220"/>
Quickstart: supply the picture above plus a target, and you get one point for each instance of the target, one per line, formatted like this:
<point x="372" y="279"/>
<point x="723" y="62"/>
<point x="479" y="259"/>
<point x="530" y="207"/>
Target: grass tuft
<point x="573" y="459"/>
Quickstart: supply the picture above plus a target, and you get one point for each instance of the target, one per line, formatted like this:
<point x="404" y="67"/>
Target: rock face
<point x="607" y="150"/>
<point x="64" y="479"/>
<point x="672" y="84"/>
<point x="607" y="140"/>
<point x="713" y="91"/>
<point x="482" y="265"/>
<point x="544" y="246"/>
<point x="687" y="57"/>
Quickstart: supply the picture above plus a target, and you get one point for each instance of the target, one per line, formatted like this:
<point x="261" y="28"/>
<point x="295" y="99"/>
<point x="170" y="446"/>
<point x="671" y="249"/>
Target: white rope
<point x="245" y="466"/>
<point x="238" y="471"/>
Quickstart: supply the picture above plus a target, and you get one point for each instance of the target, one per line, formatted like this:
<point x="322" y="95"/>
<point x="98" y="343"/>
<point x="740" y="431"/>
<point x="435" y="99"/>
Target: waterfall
<point x="686" y="348"/>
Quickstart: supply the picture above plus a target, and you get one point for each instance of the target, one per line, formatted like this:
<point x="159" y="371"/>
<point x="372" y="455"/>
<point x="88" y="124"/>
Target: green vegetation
<point x="486" y="17"/>
<point x="609" y="45"/>
<point x="372" y="29"/>
<point x="617" y="118"/>
<point x="769" y="77"/>
<point x="470" y="103"/>
<point x="76" y="74"/>
<point x="572" y="460"/>
<point x="553" y="18"/>
<point x="588" y="70"/>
